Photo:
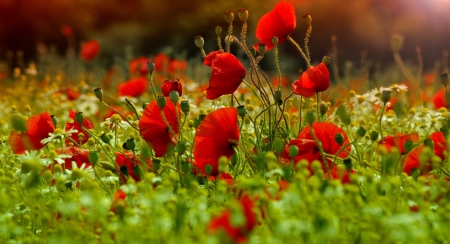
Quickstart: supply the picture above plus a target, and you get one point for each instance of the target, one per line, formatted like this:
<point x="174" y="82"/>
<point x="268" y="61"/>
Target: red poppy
<point x="325" y="133"/>
<point x="79" y="155"/>
<point x="439" y="99"/>
<point x="223" y="176"/>
<point x="216" y="136"/>
<point x="172" y="85"/>
<point x="413" y="161"/>
<point x="121" y="160"/>
<point x="87" y="124"/>
<point x="397" y="141"/>
<point x="37" y="128"/>
<point x="343" y="176"/>
<point x="440" y="144"/>
<point x="138" y="66"/>
<point x="90" y="50"/>
<point x="72" y="94"/>
<point x="161" y="62"/>
<point x="314" y="79"/>
<point x="227" y="74"/>
<point x="67" y="30"/>
<point x="154" y="130"/>
<point x="177" y="65"/>
<point x="235" y="233"/>
<point x="279" y="22"/>
<point x="134" y="87"/>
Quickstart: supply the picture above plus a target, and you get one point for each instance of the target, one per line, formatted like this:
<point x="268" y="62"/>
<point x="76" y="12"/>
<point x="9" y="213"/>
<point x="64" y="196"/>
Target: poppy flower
<point x="279" y="22"/>
<point x="161" y="62"/>
<point x="216" y="136"/>
<point x="397" y="141"/>
<point x="121" y="160"/>
<point x="72" y="94"/>
<point x="138" y="66"/>
<point x="222" y="176"/>
<point x="86" y="124"/>
<point x="177" y="65"/>
<point x="439" y="99"/>
<point x="237" y="233"/>
<point x="308" y="148"/>
<point x="37" y="128"/>
<point x="440" y="145"/>
<point x="90" y="50"/>
<point x="79" y="155"/>
<point x="314" y="79"/>
<point x="343" y="175"/>
<point x="67" y="30"/>
<point x="171" y="85"/>
<point x="227" y="74"/>
<point x="153" y="129"/>
<point x="134" y="87"/>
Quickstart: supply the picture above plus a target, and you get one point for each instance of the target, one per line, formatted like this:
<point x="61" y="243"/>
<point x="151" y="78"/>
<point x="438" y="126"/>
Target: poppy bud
<point x="275" y="41"/>
<point x="241" y="111"/>
<point x="54" y="120"/>
<point x="307" y="19"/>
<point x="197" y="122"/>
<point x="444" y="79"/>
<point x="348" y="164"/>
<point x="444" y="131"/>
<point x="415" y="173"/>
<point x="361" y="132"/>
<point x="130" y="144"/>
<point x="150" y="67"/>
<point x="185" y="167"/>
<point x="208" y="169"/>
<point x="386" y="96"/>
<point x="93" y="157"/>
<point x="229" y="40"/>
<point x="137" y="170"/>
<point x="428" y="143"/>
<point x="277" y="97"/>
<point x="339" y="138"/>
<point x="229" y="16"/>
<point x="278" y="146"/>
<point x="99" y="93"/>
<point x="144" y="105"/>
<point x="243" y="14"/>
<point x="18" y="122"/>
<point x="252" y="50"/>
<point x="323" y="107"/>
<point x="173" y="95"/>
<point x="156" y="163"/>
<point x="79" y="118"/>
<point x="161" y="101"/>
<point x="202" y="117"/>
<point x="199" y="42"/>
<point x="218" y="30"/>
<point x="181" y="147"/>
<point x="262" y="48"/>
<point x="293" y="151"/>
<point x="310" y="117"/>
<point x="326" y="60"/>
<point x="185" y="106"/>
<point x="397" y="42"/>
<point x="105" y="138"/>
<point x="408" y="146"/>
<point x="374" y="135"/>
<point x="124" y="170"/>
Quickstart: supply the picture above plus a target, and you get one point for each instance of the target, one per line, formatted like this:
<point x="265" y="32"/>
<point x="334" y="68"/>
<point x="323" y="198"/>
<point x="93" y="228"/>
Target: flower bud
<point x="161" y="101"/>
<point x="202" y="117"/>
<point x="18" y="122"/>
<point x="277" y="97"/>
<point x="307" y="19"/>
<point x="197" y="122"/>
<point x="241" y="111"/>
<point x="408" y="146"/>
<point x="105" y="138"/>
<point x="323" y="107"/>
<point x="93" y="157"/>
<point x="326" y="60"/>
<point x="174" y="96"/>
<point x="415" y="173"/>
<point x="428" y="143"/>
<point x="99" y="93"/>
<point x="444" y="79"/>
<point x="262" y="48"/>
<point x="186" y="167"/>
<point x="293" y="151"/>
<point x="348" y="164"/>
<point x="374" y="135"/>
<point x="218" y="30"/>
<point x="130" y="144"/>
<point x="156" y="163"/>
<point x="150" y="67"/>
<point x="137" y="170"/>
<point x="144" y="105"/>
<point x="199" y="42"/>
<point x="361" y="132"/>
<point x="54" y="120"/>
<point x="229" y="16"/>
<point x="185" y="107"/>
<point x="385" y="96"/>
<point x="310" y="117"/>
<point x="208" y="169"/>
<point x="339" y="138"/>
<point x="79" y="118"/>
<point x="397" y="41"/>
<point x="243" y="14"/>
<point x="275" y="41"/>
<point x="181" y="148"/>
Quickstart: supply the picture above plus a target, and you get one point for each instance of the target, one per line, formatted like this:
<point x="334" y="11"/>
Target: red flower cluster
<point x="121" y="160"/>
<point x="227" y="74"/>
<point x="134" y="87"/>
<point x="279" y="22"/>
<point x="216" y="136"/>
<point x="90" y="50"/>
<point x="314" y="79"/>
<point x="138" y="66"/>
<point x="86" y="124"/>
<point x="37" y="128"/>
<point x="154" y="130"/>
<point x="79" y="155"/>
<point x="171" y="85"/>
<point x="397" y="141"/>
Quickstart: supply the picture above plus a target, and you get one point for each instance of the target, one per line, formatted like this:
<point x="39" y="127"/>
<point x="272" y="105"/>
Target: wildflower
<point x="87" y="103"/>
<point x="398" y="141"/>
<point x="171" y="85"/>
<point x="340" y="174"/>
<point x="177" y="65"/>
<point x="227" y="74"/>
<point x="37" y="128"/>
<point x="439" y="99"/>
<point x="155" y="131"/>
<point x="115" y="121"/>
<point x="279" y="22"/>
<point x="79" y="172"/>
<point x="161" y="62"/>
<point x="134" y="87"/>
<point x="66" y="30"/>
<point x="122" y="160"/>
<point x="314" y="79"/>
<point x="87" y="124"/>
<point x="90" y="50"/>
<point x="440" y="144"/>
<point x="138" y="66"/>
<point x="216" y="136"/>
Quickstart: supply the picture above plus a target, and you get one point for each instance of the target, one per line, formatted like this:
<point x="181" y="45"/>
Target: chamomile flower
<point x="60" y="159"/>
<point x="80" y="173"/>
<point x="59" y="135"/>
<point x="115" y="120"/>
<point x="88" y="104"/>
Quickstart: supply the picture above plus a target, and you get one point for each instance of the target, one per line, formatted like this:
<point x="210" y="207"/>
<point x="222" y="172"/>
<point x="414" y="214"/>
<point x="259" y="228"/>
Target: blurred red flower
<point x="121" y="160"/>
<point x="79" y="155"/>
<point x="227" y="74"/>
<point x="279" y="22"/>
<point x="72" y="94"/>
<point x="154" y="130"/>
<point x="314" y="79"/>
<point x="216" y="136"/>
<point x="440" y="145"/>
<point x="37" y="128"/>
<point x="439" y="99"/>
<point x="343" y="176"/>
<point x="138" y="66"/>
<point x="134" y="87"/>
<point x="223" y="176"/>
<point x="67" y="30"/>
<point x="90" y="50"/>
<point x="172" y="85"/>
<point x="161" y="62"/>
<point x="86" y="124"/>
<point x="397" y="141"/>
<point x="177" y="65"/>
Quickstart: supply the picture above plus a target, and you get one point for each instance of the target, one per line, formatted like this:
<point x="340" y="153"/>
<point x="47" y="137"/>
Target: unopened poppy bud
<point x="218" y="30"/>
<point x="93" y="157"/>
<point x="339" y="138"/>
<point x="307" y="19"/>
<point x="161" y="101"/>
<point x="144" y="105"/>
<point x="124" y="170"/>
<point x="252" y="50"/>
<point x="385" y="96"/>
<point x="137" y="170"/>
<point x="181" y="147"/>
<point x="186" y="167"/>
<point x="310" y="117"/>
<point x="130" y="144"/>
<point x="54" y="120"/>
<point x="275" y="41"/>
<point x="408" y="146"/>
<point x="18" y="122"/>
<point x="202" y="117"/>
<point x="243" y="14"/>
<point x="428" y="143"/>
<point x="79" y="118"/>
<point x="374" y="135"/>
<point x="326" y="60"/>
<point x="348" y="164"/>
<point x="293" y="151"/>
<point x="98" y="92"/>
<point x="150" y="67"/>
<point x="278" y="146"/>
<point x="57" y="169"/>
<point x="262" y="48"/>
<point x="105" y="138"/>
<point x="199" y="42"/>
<point x="229" y="40"/>
<point x="323" y="107"/>
<point x="415" y="173"/>
<point x="174" y="96"/>
<point x="27" y="109"/>
<point x="444" y="79"/>
<point x="229" y="16"/>
<point x="208" y="169"/>
<point x="185" y="107"/>
<point x="361" y="132"/>
<point x="277" y="97"/>
<point x="397" y="41"/>
<point x="197" y="122"/>
<point x="241" y="111"/>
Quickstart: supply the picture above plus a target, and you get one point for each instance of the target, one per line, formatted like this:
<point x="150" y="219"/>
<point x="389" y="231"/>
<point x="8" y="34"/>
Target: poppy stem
<point x="308" y="64"/>
<point x="300" y="115"/>
<point x="342" y="149"/>
<point x="151" y="80"/>
<point x="277" y="66"/>
<point x="134" y="109"/>
<point x="318" y="109"/>
<point x="308" y="34"/>
<point x="167" y="124"/>
<point x="244" y="32"/>
<point x="121" y="115"/>
<point x="228" y="37"/>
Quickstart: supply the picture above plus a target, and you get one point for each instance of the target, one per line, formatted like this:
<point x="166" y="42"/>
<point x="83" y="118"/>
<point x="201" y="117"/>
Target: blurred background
<point x="362" y="27"/>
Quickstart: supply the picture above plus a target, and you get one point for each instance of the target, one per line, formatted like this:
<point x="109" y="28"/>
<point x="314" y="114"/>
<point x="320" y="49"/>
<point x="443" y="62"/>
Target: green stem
<point x="308" y="64"/>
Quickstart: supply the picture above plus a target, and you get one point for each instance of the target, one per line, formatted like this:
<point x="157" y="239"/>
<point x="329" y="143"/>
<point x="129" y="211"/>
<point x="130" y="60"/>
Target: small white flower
<point x="60" y="159"/>
<point x="59" y="136"/>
